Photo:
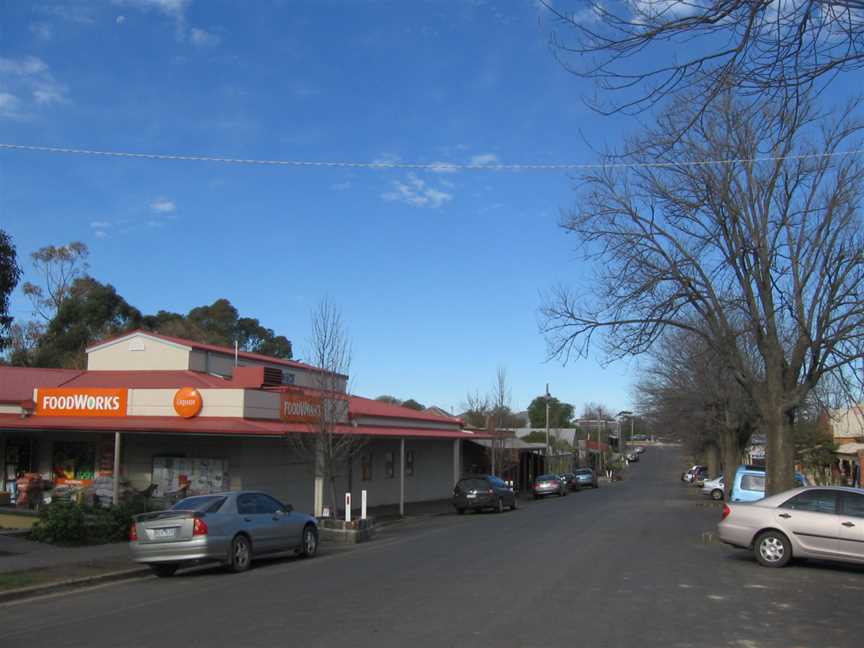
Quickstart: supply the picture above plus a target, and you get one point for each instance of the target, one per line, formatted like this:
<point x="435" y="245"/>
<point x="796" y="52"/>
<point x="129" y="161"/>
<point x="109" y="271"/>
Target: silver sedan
<point x="813" y="522"/>
<point x="231" y="528"/>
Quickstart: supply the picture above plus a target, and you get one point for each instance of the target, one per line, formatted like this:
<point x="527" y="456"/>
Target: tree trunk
<point x="780" y="453"/>
<point x="730" y="458"/>
<point x="713" y="460"/>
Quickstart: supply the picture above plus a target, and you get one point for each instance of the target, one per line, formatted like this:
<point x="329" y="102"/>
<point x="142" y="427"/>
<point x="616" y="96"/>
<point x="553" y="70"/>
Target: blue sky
<point x="438" y="275"/>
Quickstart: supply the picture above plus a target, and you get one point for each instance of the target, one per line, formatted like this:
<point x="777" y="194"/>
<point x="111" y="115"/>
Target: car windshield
<point x="207" y="503"/>
<point x="583" y="472"/>
<point x="547" y="477"/>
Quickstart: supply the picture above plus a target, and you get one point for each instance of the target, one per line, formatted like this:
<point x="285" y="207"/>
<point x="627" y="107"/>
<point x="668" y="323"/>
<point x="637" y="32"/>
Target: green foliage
<point x="390" y="400"/>
<point x="814" y="445"/>
<point x="560" y="414"/>
<point x="9" y="275"/>
<point x="66" y="523"/>
<point x="220" y="323"/>
<point x="539" y="436"/>
<point x="92" y="311"/>
<point x="413" y="404"/>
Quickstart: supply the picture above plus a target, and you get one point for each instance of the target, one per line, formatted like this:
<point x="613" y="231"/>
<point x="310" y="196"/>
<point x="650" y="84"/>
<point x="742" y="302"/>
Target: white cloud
<point x="42" y="31"/>
<point x="78" y="14"/>
<point x="484" y="158"/>
<point x="120" y="20"/>
<point x="341" y="186"/>
<point x="100" y="228"/>
<point x="10" y="106"/>
<point x="203" y="38"/>
<point x="416" y="192"/>
<point x="28" y="84"/>
<point x="163" y="206"/>
<point x="387" y="158"/>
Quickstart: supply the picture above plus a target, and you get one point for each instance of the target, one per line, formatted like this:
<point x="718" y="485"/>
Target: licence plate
<point x="165" y="533"/>
<point x="471" y="495"/>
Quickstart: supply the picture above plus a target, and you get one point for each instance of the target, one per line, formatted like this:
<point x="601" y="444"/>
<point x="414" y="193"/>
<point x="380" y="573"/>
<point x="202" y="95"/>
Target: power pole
<point x="547" y="425"/>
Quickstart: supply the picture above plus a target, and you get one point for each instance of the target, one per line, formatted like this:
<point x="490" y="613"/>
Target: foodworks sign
<point x="300" y="408"/>
<point x="62" y="401"/>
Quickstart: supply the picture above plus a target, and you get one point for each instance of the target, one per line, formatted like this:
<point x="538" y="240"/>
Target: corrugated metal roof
<point x="361" y="406"/>
<point x="150" y="379"/>
<point x="17" y="383"/>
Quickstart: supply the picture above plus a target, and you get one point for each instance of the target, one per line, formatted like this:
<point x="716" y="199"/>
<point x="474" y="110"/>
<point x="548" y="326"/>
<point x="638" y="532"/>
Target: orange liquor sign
<point x="188" y="402"/>
<point x="69" y="401"/>
<point x="297" y="407"/>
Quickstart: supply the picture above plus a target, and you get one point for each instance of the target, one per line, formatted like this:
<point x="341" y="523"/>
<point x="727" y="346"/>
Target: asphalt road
<point x="625" y="565"/>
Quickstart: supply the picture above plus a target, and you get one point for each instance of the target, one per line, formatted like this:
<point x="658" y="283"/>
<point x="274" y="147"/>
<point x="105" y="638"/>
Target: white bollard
<point x="347" y="507"/>
<point x="363" y="505"/>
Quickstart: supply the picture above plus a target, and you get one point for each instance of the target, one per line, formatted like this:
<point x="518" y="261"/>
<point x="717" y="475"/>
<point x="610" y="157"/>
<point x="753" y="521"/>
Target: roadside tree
<point x="560" y="414"/>
<point x="323" y="446"/>
<point x="766" y="246"/>
<point x="9" y="275"/>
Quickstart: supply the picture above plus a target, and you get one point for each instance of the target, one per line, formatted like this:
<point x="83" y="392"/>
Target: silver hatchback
<point x="231" y="528"/>
<point x="814" y="522"/>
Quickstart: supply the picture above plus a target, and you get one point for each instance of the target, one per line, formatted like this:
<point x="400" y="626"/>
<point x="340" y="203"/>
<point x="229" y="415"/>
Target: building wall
<point x="387" y="421"/>
<point x="432" y="480"/>
<point x="139" y="353"/>
<point x="216" y="402"/>
<point x="848" y="423"/>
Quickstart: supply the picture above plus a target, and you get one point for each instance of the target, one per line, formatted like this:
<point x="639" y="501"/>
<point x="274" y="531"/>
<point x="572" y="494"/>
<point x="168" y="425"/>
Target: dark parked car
<point x="483" y="491"/>
<point x="549" y="485"/>
<point x="570" y="481"/>
<point x="585" y="478"/>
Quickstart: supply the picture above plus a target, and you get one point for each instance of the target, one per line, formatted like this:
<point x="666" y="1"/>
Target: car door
<point x="812" y="519"/>
<point x="852" y="526"/>
<point x="257" y="525"/>
<point x="286" y="525"/>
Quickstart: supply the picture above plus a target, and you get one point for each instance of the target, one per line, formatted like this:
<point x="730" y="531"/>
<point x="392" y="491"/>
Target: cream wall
<point x="138" y="352"/>
<point x="433" y="477"/>
<point x="848" y="423"/>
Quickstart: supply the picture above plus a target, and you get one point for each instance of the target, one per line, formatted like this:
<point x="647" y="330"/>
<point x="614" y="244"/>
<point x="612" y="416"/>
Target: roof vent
<point x="272" y="377"/>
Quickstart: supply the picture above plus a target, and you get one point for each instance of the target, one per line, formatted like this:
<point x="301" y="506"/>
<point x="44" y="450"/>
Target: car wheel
<point x="310" y="542"/>
<point x="717" y="494"/>
<point x="164" y="570"/>
<point x="515" y="504"/>
<point x="460" y="511"/>
<point x="500" y="508"/>
<point x="772" y="549"/>
<point x="240" y="556"/>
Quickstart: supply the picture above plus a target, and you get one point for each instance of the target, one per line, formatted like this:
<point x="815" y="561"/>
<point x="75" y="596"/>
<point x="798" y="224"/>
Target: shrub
<point x="68" y="523"/>
<point x="60" y="523"/>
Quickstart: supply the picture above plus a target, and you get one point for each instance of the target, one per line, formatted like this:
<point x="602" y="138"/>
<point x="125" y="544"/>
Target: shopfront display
<point x="197" y="476"/>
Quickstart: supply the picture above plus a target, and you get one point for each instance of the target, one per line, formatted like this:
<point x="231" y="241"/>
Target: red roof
<point x="205" y="347"/>
<point x="17" y="383"/>
<point x="212" y="426"/>
<point x="149" y="379"/>
<point x="360" y="406"/>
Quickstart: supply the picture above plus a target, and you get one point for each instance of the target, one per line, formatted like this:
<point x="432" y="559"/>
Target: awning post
<point x="402" y="476"/>
<point x="115" y="487"/>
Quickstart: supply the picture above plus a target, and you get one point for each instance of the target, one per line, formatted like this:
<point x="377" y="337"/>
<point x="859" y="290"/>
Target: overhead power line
<point x="417" y="166"/>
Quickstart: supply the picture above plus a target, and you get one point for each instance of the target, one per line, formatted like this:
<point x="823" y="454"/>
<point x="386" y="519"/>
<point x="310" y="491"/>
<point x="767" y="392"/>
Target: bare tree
<point x="326" y="448"/>
<point x="500" y="400"/>
<point x="688" y="389"/>
<point x="59" y="267"/>
<point x="477" y="409"/>
<point x="766" y="247"/>
<point x="773" y="52"/>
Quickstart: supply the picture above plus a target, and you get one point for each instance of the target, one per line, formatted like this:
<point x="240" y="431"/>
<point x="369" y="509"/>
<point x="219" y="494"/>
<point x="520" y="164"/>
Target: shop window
<point x="389" y="470"/>
<point x="73" y="462"/>
<point x="366" y="466"/>
<point x="409" y="463"/>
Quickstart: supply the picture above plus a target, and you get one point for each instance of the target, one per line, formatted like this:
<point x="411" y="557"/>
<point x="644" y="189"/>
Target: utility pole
<point x="547" y="425"/>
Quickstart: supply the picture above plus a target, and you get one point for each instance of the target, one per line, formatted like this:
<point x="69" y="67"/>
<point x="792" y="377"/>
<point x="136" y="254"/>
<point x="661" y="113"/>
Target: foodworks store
<point x="199" y="418"/>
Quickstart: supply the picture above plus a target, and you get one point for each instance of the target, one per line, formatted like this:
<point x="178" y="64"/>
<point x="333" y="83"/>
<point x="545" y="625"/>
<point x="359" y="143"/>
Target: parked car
<point x="688" y="475"/>
<point x="570" y="481"/>
<point x="640" y="449"/>
<point x="483" y="492"/>
<point x="548" y="485"/>
<point x="699" y="478"/>
<point x="713" y="488"/>
<point x="812" y="522"/>
<point x="632" y="456"/>
<point x="749" y="484"/>
<point x="232" y="528"/>
<point x="585" y="478"/>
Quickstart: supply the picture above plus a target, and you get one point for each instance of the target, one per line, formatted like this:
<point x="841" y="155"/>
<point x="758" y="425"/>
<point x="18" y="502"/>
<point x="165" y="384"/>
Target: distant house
<point x="847" y="428"/>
